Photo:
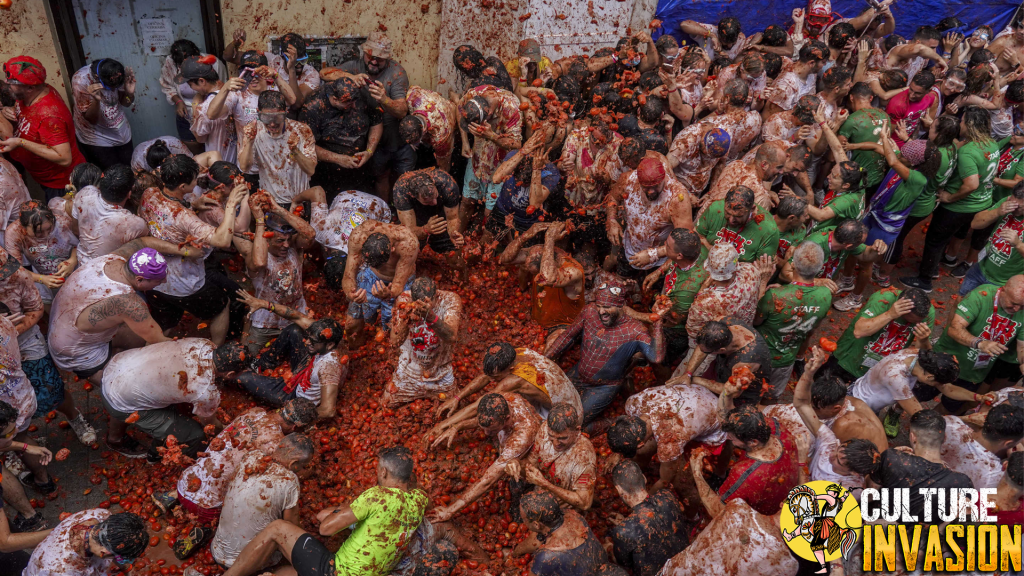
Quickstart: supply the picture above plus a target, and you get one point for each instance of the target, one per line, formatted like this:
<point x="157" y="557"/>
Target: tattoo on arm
<point x="130" y="306"/>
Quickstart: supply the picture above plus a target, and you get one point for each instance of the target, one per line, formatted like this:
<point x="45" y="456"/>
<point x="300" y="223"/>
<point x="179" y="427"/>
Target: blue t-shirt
<point x="515" y="199"/>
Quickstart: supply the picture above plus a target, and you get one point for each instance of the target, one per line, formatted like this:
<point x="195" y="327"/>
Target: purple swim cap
<point x="717" y="142"/>
<point x="148" y="263"/>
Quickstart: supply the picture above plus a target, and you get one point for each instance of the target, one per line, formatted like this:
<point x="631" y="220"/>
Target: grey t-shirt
<point x="396" y="84"/>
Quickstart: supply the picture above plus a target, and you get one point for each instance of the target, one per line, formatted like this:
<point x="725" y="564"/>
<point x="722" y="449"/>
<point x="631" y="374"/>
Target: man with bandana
<point x="100" y="90"/>
<point x="43" y="137"/>
<point x="426" y="331"/>
<point x="97" y="302"/>
<point x="388" y="85"/>
<point x="608" y="340"/>
<point x="347" y="125"/>
<point x="654" y="203"/>
<point x="695" y="152"/>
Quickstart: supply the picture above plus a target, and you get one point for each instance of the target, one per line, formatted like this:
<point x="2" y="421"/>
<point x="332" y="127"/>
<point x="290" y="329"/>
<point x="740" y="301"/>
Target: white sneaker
<point x="848" y="302"/>
<point x="845" y="283"/>
<point x="86" y="433"/>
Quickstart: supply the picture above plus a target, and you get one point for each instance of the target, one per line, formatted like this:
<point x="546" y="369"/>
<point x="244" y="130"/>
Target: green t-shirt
<point x="833" y="260"/>
<point x="388" y="517"/>
<point x="759" y="236"/>
<point x="974" y="159"/>
<point x="681" y="287"/>
<point x="999" y="260"/>
<point x="865" y="125"/>
<point x="790" y="314"/>
<point x="845" y="206"/>
<point x="907" y="193"/>
<point x="990" y="324"/>
<point x="925" y="203"/>
<point x="1010" y="166"/>
<point x="790" y="238"/>
<point x="857" y="355"/>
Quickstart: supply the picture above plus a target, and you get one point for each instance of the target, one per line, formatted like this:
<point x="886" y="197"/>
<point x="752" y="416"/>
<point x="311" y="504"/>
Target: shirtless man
<point x="426" y="329"/>
<point x="914" y="55"/>
<point x="565" y="454"/>
<point x="663" y="420"/>
<point x="515" y="423"/>
<point x="521" y="370"/>
<point x="380" y="266"/>
<point x="654" y="204"/>
<point x="1010" y="47"/>
<point x="766" y="164"/>
<point x="99" y="310"/>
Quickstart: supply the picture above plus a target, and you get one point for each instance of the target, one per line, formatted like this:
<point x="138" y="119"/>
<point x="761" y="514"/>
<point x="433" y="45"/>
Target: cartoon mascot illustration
<point x="815" y="517"/>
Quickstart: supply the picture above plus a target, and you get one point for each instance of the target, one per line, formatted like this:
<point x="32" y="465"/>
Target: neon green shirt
<point x="387" y="519"/>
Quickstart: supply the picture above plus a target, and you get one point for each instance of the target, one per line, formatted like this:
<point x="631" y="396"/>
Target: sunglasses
<point x="613" y="289"/>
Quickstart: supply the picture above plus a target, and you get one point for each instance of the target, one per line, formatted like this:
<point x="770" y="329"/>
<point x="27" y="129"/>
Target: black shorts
<point x="88" y="372"/>
<point x="832" y="368"/>
<point x="677" y="344"/>
<point x="205" y="304"/>
<point x="1003" y="370"/>
<point x="311" y="558"/>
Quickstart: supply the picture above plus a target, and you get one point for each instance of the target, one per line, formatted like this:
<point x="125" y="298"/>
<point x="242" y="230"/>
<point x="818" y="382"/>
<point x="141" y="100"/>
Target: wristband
<point x="976" y="342"/>
<point x="433" y="319"/>
<point x="615" y="58"/>
<point x="975" y="396"/>
<point x="273" y="308"/>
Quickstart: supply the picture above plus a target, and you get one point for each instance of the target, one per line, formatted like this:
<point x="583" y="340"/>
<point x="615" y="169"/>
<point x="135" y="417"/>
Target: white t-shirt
<point x="327" y="369"/>
<point x="217" y="134"/>
<point x="962" y="453"/>
<point x="308" y="75"/>
<point x="821" y="463"/>
<point x="171" y="221"/>
<point x="103" y="227"/>
<point x="111" y="127"/>
<point x="12" y="193"/>
<point x="15" y="388"/>
<point x="252" y="502"/>
<point x="678" y="415"/>
<point x="250" y="430"/>
<point x="242" y="107"/>
<point x="280" y="173"/>
<point x="348" y="210"/>
<point x="886" y="382"/>
<point x="139" y="154"/>
<point x="161" y="375"/>
<point x="54" y="556"/>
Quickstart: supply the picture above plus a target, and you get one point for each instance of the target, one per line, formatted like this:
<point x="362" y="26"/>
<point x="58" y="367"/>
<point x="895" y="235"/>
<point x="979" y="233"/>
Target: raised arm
<point x="802" y="392"/>
<point x="833" y="142"/>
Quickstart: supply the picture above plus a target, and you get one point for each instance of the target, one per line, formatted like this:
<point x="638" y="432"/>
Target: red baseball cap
<point x="25" y="70"/>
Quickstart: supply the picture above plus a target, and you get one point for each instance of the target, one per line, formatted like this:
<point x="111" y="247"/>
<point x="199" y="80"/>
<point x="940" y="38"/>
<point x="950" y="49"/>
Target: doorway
<point x="138" y="33"/>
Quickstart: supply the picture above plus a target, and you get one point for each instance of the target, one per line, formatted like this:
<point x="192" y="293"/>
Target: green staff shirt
<point x="789" y="239"/>
<point x="388" y="517"/>
<point x="681" y="287"/>
<point x="845" y="206"/>
<point x="925" y="203"/>
<point x="907" y="193"/>
<point x="857" y="355"/>
<point x="759" y="236"/>
<point x="1009" y="168"/>
<point x="991" y="323"/>
<point x="1000" y="260"/>
<point x="833" y="259"/>
<point x="865" y="125"/>
<point x="974" y="160"/>
<point x="791" y="313"/>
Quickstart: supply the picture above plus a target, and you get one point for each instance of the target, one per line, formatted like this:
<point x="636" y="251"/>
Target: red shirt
<point x="901" y="108"/>
<point x="47" y="121"/>
<point x="764" y="485"/>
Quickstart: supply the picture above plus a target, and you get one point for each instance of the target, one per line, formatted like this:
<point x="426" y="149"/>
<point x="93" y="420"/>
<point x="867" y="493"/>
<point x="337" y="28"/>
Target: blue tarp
<point x="755" y="15"/>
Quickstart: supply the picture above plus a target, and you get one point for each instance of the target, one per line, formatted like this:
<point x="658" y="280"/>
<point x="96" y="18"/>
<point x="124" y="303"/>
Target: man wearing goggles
<point x="100" y="90"/>
<point x="282" y="150"/>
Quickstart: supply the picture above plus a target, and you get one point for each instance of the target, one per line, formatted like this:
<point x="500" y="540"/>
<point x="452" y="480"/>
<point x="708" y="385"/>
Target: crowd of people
<point x="694" y="211"/>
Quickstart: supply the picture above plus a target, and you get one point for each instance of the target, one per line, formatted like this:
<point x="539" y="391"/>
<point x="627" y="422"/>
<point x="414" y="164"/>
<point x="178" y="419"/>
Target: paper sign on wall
<point x="157" y="34"/>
